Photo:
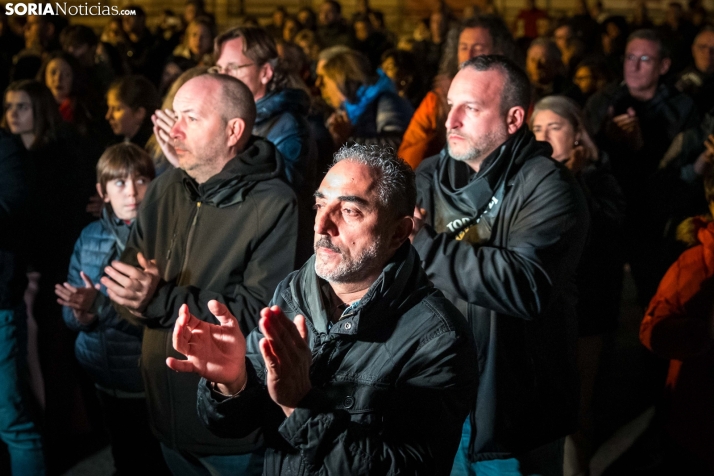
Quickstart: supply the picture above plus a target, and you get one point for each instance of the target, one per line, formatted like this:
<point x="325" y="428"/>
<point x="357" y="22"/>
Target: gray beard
<point x="351" y="271"/>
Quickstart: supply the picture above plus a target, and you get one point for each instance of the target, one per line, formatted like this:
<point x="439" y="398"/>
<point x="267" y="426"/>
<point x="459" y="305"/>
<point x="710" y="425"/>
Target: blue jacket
<point x="110" y="347"/>
<point x="378" y="114"/>
<point x="281" y="118"/>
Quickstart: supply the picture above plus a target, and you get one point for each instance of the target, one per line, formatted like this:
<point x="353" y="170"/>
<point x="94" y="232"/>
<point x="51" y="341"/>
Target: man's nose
<point x="176" y="131"/>
<point x="452" y="119"/>
<point x="324" y="225"/>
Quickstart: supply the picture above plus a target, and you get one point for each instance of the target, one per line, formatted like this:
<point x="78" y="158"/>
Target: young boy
<point x="109" y="347"/>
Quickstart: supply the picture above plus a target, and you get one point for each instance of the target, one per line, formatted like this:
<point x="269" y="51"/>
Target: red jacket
<point x="678" y="326"/>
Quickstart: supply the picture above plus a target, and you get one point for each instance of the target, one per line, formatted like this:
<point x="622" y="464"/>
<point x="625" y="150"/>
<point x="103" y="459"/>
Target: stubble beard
<point x="349" y="270"/>
<point x="476" y="151"/>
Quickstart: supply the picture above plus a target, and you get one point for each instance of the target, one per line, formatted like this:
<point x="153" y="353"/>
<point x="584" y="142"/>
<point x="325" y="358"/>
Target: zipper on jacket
<point x="189" y="239"/>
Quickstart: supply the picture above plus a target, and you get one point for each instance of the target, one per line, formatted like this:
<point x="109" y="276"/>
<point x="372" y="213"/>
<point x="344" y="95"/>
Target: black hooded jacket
<point x="232" y="239"/>
<point x="392" y="381"/>
<point x="503" y="245"/>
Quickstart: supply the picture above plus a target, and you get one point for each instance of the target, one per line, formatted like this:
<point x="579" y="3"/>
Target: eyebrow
<point x="347" y="198"/>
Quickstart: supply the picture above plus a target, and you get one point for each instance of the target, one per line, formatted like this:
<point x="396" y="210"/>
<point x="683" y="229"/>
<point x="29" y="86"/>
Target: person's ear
<point x="266" y="73"/>
<point x="402" y="230"/>
<point x="514" y="119"/>
<point x="236" y="129"/>
<point x="664" y="66"/>
<point x="101" y="193"/>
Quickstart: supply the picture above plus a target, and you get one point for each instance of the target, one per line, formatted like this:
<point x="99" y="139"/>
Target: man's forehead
<point x="348" y="178"/>
<point x="479" y="86"/>
<point x="231" y="50"/>
<point x="641" y="44"/>
<point x="195" y="93"/>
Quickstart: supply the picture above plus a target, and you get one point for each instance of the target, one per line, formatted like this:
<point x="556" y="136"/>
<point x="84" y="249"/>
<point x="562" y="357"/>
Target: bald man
<point x="221" y="226"/>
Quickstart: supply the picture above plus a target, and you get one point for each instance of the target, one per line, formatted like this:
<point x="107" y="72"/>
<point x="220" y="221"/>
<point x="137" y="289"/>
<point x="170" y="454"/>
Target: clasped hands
<point x="217" y="352"/>
<point x="626" y="127"/>
<point x="131" y="286"/>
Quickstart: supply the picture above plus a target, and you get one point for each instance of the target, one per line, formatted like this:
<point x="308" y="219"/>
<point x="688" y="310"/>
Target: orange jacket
<point x="426" y="134"/>
<point x="678" y="326"/>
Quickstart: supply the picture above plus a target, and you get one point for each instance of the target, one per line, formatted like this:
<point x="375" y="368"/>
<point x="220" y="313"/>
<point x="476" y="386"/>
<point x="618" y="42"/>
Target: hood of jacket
<point x="258" y="162"/>
<point x="367" y="94"/>
<point x="464" y="196"/>
<point x="291" y="100"/>
<point x="401" y="285"/>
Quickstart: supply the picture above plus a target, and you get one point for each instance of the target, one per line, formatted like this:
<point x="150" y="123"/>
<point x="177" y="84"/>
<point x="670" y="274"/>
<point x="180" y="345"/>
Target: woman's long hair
<point x="45" y="113"/>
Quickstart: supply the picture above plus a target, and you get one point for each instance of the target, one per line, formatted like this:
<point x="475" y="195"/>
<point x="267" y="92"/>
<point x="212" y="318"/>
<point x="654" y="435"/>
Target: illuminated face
<point x="475" y="126"/>
<point x="58" y="78"/>
<point x="125" y="195"/>
<point x="123" y="120"/>
<point x="328" y="87"/>
<point x="200" y="40"/>
<point x="349" y="244"/>
<point x="199" y="134"/>
<point x="643" y="66"/>
<point x="234" y="62"/>
<point x="474" y="42"/>
<point x="18" y="112"/>
<point x="703" y="52"/>
<point x="557" y="131"/>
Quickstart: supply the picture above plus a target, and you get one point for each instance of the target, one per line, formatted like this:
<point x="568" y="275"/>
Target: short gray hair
<point x="396" y="187"/>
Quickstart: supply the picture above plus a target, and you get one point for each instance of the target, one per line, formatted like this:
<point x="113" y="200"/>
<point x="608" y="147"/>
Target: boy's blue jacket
<point x="109" y="348"/>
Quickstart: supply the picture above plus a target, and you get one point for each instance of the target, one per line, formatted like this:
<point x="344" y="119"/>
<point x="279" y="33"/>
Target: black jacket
<point x="392" y="381"/>
<point x="509" y="265"/>
<point x="15" y="183"/>
<point x="231" y="238"/>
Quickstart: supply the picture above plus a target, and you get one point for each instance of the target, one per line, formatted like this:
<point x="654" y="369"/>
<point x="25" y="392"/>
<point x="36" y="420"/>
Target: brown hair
<point x="260" y="47"/>
<point x="45" y="114"/>
<point x="121" y="161"/>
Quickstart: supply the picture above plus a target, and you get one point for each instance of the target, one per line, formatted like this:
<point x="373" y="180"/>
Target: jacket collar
<point x="402" y="284"/>
<point x="256" y="163"/>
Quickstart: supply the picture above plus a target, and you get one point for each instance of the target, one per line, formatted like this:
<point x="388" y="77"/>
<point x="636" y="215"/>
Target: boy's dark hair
<point x="123" y="160"/>
<point x="136" y="91"/>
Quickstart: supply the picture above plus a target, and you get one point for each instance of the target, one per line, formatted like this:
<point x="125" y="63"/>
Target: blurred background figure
<point x="558" y="121"/>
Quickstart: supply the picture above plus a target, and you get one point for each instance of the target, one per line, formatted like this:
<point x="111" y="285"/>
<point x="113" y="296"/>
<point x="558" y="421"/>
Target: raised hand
<point x="706" y="159"/>
<point x="130" y="286"/>
<point x="287" y="357"/>
<point x="163" y="122"/>
<point x="215" y="352"/>
<point x="339" y="126"/>
<point x="78" y="299"/>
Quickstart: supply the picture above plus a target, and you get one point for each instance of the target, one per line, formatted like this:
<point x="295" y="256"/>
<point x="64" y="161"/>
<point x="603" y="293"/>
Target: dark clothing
<point x="373" y="47"/>
<point x="281" y="118"/>
<point x="378" y="114"/>
<point x="599" y="273"/>
<point x="15" y="183"/>
<point x="335" y="34"/>
<point x="698" y="86"/>
<point x="232" y="239"/>
<point x="392" y="381"/>
<point x="561" y="86"/>
<point x="109" y="348"/>
<point x="635" y="167"/>
<point x="503" y="245"/>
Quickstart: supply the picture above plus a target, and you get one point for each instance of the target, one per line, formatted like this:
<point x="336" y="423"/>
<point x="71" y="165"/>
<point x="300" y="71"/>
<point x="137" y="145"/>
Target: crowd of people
<point x="318" y="247"/>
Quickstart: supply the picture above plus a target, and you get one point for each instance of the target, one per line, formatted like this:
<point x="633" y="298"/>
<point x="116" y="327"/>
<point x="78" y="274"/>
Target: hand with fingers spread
<point x="215" y="352"/>
<point x="130" y="286"/>
<point x="163" y="122"/>
<point x="78" y="299"/>
<point x="287" y="357"/>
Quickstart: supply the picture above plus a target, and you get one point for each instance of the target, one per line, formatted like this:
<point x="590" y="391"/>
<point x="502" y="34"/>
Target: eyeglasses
<point x="647" y="59"/>
<point x="230" y="69"/>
